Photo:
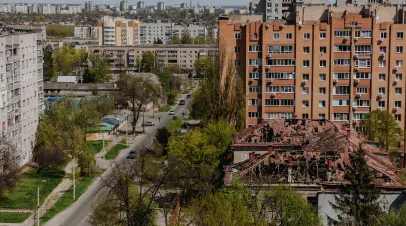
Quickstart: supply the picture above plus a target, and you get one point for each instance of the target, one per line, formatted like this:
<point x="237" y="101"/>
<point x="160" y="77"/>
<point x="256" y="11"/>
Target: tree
<point x="99" y="71"/>
<point x="138" y="91"/>
<point x="158" y="41"/>
<point x="221" y="94"/>
<point x="186" y="38"/>
<point x="357" y="203"/>
<point x="147" y="62"/>
<point x="200" y="65"/>
<point x="9" y="173"/>
<point x="48" y="63"/>
<point x="382" y="127"/>
<point x="393" y="218"/>
<point x="175" y="39"/>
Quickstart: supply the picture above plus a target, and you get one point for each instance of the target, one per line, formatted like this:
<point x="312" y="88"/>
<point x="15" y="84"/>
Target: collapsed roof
<point x="304" y="151"/>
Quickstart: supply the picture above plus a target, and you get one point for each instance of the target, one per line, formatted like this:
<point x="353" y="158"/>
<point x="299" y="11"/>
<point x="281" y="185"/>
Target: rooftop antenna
<point x="190" y="4"/>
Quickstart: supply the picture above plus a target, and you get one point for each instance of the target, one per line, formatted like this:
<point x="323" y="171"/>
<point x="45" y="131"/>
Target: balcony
<point x="10" y="114"/>
<point x="17" y="71"/>
<point x="17" y="111"/>
<point x="15" y="98"/>
<point x="16" y="57"/>
<point x="9" y="59"/>
<point x="39" y="52"/>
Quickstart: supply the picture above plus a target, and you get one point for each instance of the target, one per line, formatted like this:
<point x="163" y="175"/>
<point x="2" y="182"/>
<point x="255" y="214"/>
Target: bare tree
<point x="9" y="171"/>
<point x="139" y="91"/>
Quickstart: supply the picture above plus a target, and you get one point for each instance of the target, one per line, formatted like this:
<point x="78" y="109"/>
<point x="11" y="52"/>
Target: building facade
<point x="338" y="64"/>
<point x="161" y="6"/>
<point x="123" y="59"/>
<point x="21" y="90"/>
<point x="124" y="6"/>
<point x="118" y="32"/>
<point x="86" y="32"/>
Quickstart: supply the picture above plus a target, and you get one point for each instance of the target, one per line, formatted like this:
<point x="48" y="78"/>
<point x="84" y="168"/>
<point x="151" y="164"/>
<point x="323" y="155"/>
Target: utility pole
<point x="143" y="120"/>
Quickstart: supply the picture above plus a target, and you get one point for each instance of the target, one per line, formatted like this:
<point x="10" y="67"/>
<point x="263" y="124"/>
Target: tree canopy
<point x="99" y="71"/>
<point x="147" y="62"/>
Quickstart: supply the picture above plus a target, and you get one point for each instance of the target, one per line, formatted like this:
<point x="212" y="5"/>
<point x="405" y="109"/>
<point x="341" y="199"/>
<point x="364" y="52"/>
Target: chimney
<point x="348" y="133"/>
<point x="359" y="135"/>
<point x="402" y="160"/>
<point x="343" y="127"/>
<point x="270" y="148"/>
<point x="330" y="164"/>
<point x="252" y="155"/>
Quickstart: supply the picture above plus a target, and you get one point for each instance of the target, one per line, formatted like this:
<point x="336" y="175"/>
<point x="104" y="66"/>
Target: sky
<point x="134" y="2"/>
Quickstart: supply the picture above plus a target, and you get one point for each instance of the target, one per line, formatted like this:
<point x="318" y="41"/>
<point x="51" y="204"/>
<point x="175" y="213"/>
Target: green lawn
<point x="13" y="217"/>
<point x="67" y="198"/>
<point x="113" y="152"/>
<point x="24" y="195"/>
<point x="165" y="108"/>
<point x="97" y="145"/>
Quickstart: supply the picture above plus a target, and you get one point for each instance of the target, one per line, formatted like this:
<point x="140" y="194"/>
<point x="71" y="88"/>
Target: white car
<point x="171" y="112"/>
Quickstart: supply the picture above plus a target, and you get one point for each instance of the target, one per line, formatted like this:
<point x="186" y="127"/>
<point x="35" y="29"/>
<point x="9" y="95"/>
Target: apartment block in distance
<point x="322" y="62"/>
<point x="118" y="32"/>
<point x="123" y="59"/>
<point x="86" y="32"/>
<point x="21" y="89"/>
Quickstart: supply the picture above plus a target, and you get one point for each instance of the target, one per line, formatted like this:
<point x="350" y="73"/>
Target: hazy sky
<point x="134" y="2"/>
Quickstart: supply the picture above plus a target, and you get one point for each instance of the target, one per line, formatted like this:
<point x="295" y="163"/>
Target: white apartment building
<point x="118" y="32"/>
<point x="21" y="90"/>
<point x="47" y="9"/>
<point x="86" y="32"/>
<point x="161" y="6"/>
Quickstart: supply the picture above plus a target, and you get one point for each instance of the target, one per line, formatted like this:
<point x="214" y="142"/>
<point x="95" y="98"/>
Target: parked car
<point x="148" y="123"/>
<point x="188" y="96"/>
<point x="182" y="102"/>
<point x="171" y="112"/>
<point x="132" y="154"/>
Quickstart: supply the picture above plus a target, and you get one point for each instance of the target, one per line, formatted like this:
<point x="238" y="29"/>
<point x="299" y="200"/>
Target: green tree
<point x="173" y="125"/>
<point x="221" y="95"/>
<point x="158" y="41"/>
<point x="48" y="63"/>
<point x="147" y="62"/>
<point x="99" y="71"/>
<point x="175" y="39"/>
<point x="393" y="218"/>
<point x="357" y="203"/>
<point x="9" y="173"/>
<point x="59" y="31"/>
<point x="382" y="127"/>
<point x="200" y="65"/>
<point x="186" y="37"/>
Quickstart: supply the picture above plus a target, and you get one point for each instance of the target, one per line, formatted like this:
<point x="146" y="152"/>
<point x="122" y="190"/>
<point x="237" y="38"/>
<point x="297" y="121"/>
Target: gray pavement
<point x="78" y="213"/>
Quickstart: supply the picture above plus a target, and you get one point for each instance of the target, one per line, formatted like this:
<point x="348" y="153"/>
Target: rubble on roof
<point x="304" y="151"/>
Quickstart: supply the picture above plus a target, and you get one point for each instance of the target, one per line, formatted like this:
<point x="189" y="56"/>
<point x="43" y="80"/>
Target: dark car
<point x="132" y="155"/>
<point x="188" y="96"/>
<point x="182" y="102"/>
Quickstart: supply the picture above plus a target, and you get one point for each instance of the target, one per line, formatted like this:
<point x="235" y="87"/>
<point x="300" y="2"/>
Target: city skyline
<point x="134" y="2"/>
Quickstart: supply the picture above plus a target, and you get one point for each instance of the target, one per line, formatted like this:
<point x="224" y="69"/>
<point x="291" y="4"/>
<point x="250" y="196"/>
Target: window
<point x="306" y="63"/>
<point x="287" y="89"/>
<point x="398" y="77"/>
<point x="254" y="75"/>
<point x="398" y="104"/>
<point x="254" y="89"/>
<point x="281" y="62"/>
<point x="361" y="103"/>
<point x="353" y="23"/>
<point x="382" y="49"/>
<point x="342" y="33"/>
<point x="398" y="117"/>
<point x="398" y="90"/>
<point x="306" y="77"/>
<point x="306" y="35"/>
<point x="363" y="63"/>
<point x="254" y="62"/>
<point x="322" y="103"/>
<point x="305" y="115"/>
<point x="322" y="90"/>
<point x="399" y="35"/>
<point x="363" y="34"/>
<point x="272" y="102"/>
<point x="254" y="102"/>
<point x="280" y="49"/>
<point x="305" y="90"/>
<point x="363" y="75"/>
<point x="381" y="104"/>
<point x="280" y="75"/>
<point x="323" y="35"/>
<point x="322" y="116"/>
<point x="359" y="115"/>
<point x="323" y="49"/>
<point x="255" y="36"/>
<point x="362" y="49"/>
<point x="399" y="63"/>
<point x="382" y="63"/>
<point x="287" y="102"/>
<point x="253" y="114"/>
<point x="306" y="50"/>
<point x="305" y="103"/>
<point x="341" y="90"/>
<point x="237" y="49"/>
<point x="278" y="115"/>
<point x="276" y="36"/>
<point x="237" y="35"/>
<point x="237" y="63"/>
<point x="342" y="48"/>
<point x="382" y="77"/>
<point x="342" y="62"/>
<point x="341" y="102"/>
<point x="255" y="48"/>
<point x="323" y="63"/>
<point x="340" y="116"/>
<point x="272" y="89"/>
<point x="381" y="90"/>
<point x="362" y="90"/>
<point x="322" y="77"/>
<point x="383" y="34"/>
<point x="288" y="35"/>
<point x="399" y="49"/>
<point x="341" y="76"/>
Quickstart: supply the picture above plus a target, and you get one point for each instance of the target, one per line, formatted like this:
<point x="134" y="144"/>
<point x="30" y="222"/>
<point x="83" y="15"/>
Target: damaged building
<point x="311" y="156"/>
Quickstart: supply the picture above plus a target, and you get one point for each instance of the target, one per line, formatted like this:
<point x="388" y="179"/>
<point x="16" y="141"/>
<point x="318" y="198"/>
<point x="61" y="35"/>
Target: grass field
<point x="67" y="198"/>
<point x="24" y="195"/>
<point x="97" y="145"/>
<point x="114" y="151"/>
<point x="13" y="217"/>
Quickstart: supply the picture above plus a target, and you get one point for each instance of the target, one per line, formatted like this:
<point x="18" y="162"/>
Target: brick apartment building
<point x="331" y="62"/>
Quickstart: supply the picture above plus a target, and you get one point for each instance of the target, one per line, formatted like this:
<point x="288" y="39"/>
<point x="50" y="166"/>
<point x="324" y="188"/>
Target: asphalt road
<point x="77" y="214"/>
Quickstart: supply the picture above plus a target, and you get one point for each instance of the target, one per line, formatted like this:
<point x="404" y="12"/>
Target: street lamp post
<point x="74" y="176"/>
<point x="143" y="121"/>
<point x="38" y="202"/>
